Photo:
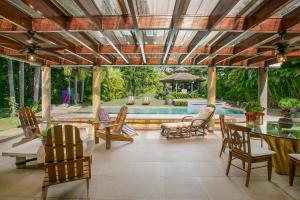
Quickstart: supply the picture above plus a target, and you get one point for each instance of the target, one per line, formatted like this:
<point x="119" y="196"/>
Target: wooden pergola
<point x="213" y="33"/>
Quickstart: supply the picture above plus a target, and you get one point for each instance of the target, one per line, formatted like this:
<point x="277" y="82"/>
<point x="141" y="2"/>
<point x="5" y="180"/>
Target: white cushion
<point x="261" y="152"/>
<point x="205" y="113"/>
<point x="295" y="156"/>
<point x="176" y="125"/>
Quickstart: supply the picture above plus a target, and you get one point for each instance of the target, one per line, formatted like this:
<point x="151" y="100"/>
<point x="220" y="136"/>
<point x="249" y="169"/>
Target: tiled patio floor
<point x="152" y="168"/>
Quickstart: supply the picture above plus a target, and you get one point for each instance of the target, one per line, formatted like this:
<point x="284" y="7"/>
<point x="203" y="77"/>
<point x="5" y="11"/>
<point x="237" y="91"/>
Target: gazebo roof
<point x="181" y="77"/>
<point x="149" y="32"/>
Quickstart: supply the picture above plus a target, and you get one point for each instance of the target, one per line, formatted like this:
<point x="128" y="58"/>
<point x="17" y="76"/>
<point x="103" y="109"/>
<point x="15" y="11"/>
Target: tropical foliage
<point x="239" y="85"/>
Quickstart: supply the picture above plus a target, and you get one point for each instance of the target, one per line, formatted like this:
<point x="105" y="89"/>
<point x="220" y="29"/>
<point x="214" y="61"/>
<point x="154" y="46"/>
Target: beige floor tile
<point x="152" y="168"/>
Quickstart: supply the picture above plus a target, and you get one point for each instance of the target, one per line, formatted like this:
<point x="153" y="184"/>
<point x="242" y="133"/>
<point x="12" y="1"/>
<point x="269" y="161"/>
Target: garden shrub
<point x="288" y="103"/>
<point x="180" y="103"/>
<point x="179" y="95"/>
<point x="253" y="106"/>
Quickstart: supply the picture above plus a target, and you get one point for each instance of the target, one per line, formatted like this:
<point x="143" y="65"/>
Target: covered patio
<point x="152" y="168"/>
<point x="116" y="33"/>
<point x="176" y="33"/>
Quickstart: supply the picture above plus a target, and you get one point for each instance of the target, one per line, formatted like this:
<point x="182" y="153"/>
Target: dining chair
<point x="294" y="162"/>
<point x="225" y="136"/>
<point x="64" y="159"/>
<point x="241" y="149"/>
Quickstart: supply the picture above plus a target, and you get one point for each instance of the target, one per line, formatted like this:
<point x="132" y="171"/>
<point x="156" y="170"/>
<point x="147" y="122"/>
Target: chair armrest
<point x="195" y="120"/>
<point x="112" y="125"/>
<point x="189" y="117"/>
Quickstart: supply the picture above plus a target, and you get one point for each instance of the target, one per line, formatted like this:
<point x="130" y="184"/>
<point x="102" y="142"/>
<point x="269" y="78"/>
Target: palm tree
<point x="37" y="79"/>
<point x="12" y="96"/>
<point x="68" y="73"/>
<point x="21" y="83"/>
<point x="82" y="74"/>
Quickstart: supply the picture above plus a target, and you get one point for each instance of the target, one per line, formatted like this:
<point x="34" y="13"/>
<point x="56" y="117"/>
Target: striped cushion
<point x="103" y="115"/>
<point x="128" y="130"/>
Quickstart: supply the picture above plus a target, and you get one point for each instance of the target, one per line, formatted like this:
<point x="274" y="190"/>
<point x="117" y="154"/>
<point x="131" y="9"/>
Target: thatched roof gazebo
<point x="181" y="77"/>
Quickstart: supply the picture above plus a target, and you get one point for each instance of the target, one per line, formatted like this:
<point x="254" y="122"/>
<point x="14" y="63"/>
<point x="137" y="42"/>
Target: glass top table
<point x="282" y="136"/>
<point x="276" y="129"/>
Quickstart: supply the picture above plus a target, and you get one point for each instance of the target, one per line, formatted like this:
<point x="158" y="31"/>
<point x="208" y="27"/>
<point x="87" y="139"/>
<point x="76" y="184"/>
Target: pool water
<point x="172" y="110"/>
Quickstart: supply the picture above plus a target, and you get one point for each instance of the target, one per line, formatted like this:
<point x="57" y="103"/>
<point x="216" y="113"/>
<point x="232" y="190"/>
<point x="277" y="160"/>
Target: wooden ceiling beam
<point x="256" y="17"/>
<point x="99" y="28"/>
<point x="16" y="17"/>
<point x="138" y="34"/>
<point x="263" y="11"/>
<point x="217" y="15"/>
<point x="52" y="13"/>
<point x="180" y="9"/>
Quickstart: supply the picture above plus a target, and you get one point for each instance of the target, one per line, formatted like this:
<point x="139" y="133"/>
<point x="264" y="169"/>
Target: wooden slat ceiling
<point x="150" y="32"/>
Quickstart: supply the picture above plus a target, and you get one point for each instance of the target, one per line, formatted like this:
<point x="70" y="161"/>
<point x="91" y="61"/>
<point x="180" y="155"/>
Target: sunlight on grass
<point x="7" y="123"/>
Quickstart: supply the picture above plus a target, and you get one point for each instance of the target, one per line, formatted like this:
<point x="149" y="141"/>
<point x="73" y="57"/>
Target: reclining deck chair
<point x="109" y="130"/>
<point x="29" y="124"/>
<point x="190" y="125"/>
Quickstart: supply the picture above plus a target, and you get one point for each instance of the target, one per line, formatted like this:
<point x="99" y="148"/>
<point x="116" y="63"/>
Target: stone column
<point x="96" y="90"/>
<point x="263" y="87"/>
<point x="46" y="93"/>
<point x="211" y="92"/>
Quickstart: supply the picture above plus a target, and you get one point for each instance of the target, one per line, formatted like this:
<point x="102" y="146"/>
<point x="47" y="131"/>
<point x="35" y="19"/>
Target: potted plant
<point x="43" y="135"/>
<point x="169" y="99"/>
<point x="288" y="105"/>
<point x="253" y="111"/>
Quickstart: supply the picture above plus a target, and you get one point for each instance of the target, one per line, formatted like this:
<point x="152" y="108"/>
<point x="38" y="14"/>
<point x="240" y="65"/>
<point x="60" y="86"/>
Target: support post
<point x="176" y="87"/>
<point x="263" y="88"/>
<point x="96" y="91"/>
<point x="46" y="93"/>
<point x="192" y="87"/>
<point x="211" y="93"/>
<point x="21" y="83"/>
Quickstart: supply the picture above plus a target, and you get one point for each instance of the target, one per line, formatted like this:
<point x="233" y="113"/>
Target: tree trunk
<point x="37" y="79"/>
<point x="82" y="91"/>
<point x="75" y="89"/>
<point x="10" y="73"/>
<point x="21" y="83"/>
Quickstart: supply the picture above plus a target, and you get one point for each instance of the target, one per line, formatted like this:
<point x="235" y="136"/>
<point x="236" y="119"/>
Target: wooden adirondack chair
<point x="64" y="160"/>
<point x="29" y="124"/>
<point x="112" y="130"/>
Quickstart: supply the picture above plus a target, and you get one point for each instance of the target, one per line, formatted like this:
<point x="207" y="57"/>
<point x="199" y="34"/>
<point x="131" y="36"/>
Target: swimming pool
<point x="171" y="110"/>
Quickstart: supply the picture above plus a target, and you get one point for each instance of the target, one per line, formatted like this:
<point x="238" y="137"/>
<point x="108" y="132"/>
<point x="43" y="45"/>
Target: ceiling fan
<point x="282" y="47"/>
<point x="31" y="47"/>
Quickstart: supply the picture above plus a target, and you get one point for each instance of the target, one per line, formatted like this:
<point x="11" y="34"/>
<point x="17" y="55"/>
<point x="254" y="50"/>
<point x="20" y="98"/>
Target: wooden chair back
<point x="64" y="159"/>
<point x="224" y="129"/>
<point x="28" y="122"/>
<point x="120" y="119"/>
<point x="239" y="139"/>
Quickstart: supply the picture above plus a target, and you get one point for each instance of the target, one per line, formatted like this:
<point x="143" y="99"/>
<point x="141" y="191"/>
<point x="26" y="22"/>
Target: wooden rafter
<point x="217" y="15"/>
<point x="99" y="28"/>
<point x="179" y="9"/>
<point x="137" y="32"/>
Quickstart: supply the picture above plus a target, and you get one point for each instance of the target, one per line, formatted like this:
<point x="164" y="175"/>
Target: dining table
<point x="282" y="136"/>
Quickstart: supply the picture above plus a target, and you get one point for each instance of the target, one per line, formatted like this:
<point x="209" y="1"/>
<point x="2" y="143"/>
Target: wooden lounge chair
<point x="105" y="119"/>
<point x="190" y="125"/>
<point x="112" y="130"/>
<point x="29" y="124"/>
<point x="64" y="160"/>
<point x="130" y="100"/>
<point x="241" y="149"/>
<point x="146" y="101"/>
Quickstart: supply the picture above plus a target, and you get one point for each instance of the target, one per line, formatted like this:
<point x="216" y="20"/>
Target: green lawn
<point x="9" y="122"/>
